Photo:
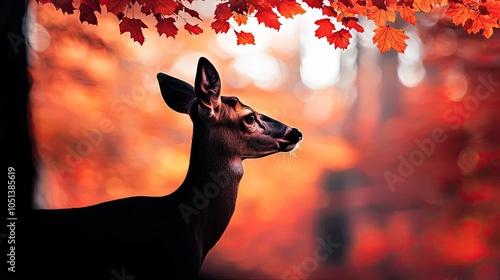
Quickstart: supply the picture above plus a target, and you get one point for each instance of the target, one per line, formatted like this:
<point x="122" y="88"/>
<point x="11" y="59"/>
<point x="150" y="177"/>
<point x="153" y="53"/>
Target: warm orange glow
<point x="104" y="133"/>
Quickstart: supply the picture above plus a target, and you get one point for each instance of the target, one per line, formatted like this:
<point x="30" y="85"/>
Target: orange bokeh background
<point x="104" y="132"/>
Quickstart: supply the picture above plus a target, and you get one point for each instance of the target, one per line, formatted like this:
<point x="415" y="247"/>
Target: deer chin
<point x="287" y="146"/>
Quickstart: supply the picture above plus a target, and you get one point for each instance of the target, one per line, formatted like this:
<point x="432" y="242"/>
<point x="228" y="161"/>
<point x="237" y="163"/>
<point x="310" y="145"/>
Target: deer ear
<point x="176" y="93"/>
<point x="207" y="88"/>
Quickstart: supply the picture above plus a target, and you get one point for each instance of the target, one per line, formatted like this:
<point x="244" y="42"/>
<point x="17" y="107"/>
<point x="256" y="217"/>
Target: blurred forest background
<point x="399" y="166"/>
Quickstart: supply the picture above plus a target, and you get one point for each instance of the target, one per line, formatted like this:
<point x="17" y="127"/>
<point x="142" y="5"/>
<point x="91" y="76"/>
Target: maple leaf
<point x="423" y="5"/>
<point x="244" y="38"/>
<point x="193" y="29"/>
<point x="314" y="3"/>
<point x="379" y="4"/>
<point x="352" y="23"/>
<point x="380" y="17"/>
<point x="325" y="28"/>
<point x="493" y="8"/>
<point x="134" y="26"/>
<point x="66" y="6"/>
<point x="407" y="13"/>
<point x="387" y="37"/>
<point x="485" y="23"/>
<point x="239" y="6"/>
<point x="340" y="39"/>
<point x="459" y="13"/>
<point x="192" y="13"/>
<point x="167" y="26"/>
<point x="87" y="14"/>
<point x="268" y="18"/>
<point x="222" y="12"/>
<point x="116" y="6"/>
<point x="220" y="26"/>
<point x="240" y="19"/>
<point x="329" y="11"/>
<point x="164" y="7"/>
<point x="290" y="8"/>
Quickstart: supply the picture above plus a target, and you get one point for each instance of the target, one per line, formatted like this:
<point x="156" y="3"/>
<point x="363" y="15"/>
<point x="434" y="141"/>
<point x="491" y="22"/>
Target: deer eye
<point x="250" y="119"/>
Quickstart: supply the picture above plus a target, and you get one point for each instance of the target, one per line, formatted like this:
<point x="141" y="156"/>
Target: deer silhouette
<point x="166" y="237"/>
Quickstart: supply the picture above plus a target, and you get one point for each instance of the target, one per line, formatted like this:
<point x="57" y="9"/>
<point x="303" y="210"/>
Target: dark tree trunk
<point x="16" y="135"/>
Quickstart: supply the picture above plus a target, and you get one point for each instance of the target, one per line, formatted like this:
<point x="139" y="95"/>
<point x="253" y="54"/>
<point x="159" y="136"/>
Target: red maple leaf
<point x="268" y="18"/>
<point x="493" y="8"/>
<point x="66" y="6"/>
<point x="352" y="23"/>
<point x="116" y="6"/>
<point x="167" y="26"/>
<point x="314" y="3"/>
<point x="239" y="6"/>
<point x="220" y="26"/>
<point x="340" y="39"/>
<point x="379" y="4"/>
<point x="87" y="14"/>
<point x="290" y="8"/>
<point x="244" y="38"/>
<point x="192" y="13"/>
<point x="164" y="7"/>
<point x="325" y="28"/>
<point x="329" y="11"/>
<point x="134" y="26"/>
<point x="193" y="29"/>
<point x="222" y="12"/>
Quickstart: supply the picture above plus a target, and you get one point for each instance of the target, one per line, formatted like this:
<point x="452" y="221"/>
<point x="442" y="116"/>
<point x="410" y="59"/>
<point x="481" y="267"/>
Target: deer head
<point x="234" y="128"/>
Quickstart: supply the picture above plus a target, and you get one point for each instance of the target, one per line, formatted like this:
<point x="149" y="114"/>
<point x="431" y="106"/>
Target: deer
<point x="164" y="237"/>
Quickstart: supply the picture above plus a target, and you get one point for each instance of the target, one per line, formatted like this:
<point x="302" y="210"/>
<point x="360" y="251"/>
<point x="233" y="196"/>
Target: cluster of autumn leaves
<point x="474" y="15"/>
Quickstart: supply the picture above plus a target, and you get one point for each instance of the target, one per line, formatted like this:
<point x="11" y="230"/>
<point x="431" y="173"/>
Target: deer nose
<point x="294" y="135"/>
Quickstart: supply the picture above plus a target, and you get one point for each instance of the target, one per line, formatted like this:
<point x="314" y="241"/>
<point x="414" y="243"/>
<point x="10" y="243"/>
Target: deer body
<point x="168" y="236"/>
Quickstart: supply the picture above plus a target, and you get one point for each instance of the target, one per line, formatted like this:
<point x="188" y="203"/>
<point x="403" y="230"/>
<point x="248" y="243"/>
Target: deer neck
<point x="209" y="189"/>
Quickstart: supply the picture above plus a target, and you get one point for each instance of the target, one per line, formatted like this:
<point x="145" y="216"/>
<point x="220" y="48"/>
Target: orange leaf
<point x="290" y="8"/>
<point x="459" y="13"/>
<point x="268" y="18"/>
<point x="240" y="18"/>
<point x="423" y="5"/>
<point x="193" y="29"/>
<point x="244" y="38"/>
<point x="407" y="13"/>
<point x="340" y="39"/>
<point x="325" y="28"/>
<point x="485" y="23"/>
<point x="380" y="17"/>
<point x="493" y="8"/>
<point x="133" y="25"/>
<point x="387" y="37"/>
